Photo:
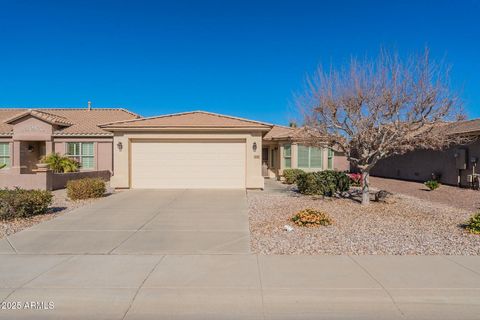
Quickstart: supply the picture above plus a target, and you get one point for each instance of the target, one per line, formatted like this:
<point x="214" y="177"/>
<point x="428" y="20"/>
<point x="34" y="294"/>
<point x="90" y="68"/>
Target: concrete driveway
<point x="145" y="222"/>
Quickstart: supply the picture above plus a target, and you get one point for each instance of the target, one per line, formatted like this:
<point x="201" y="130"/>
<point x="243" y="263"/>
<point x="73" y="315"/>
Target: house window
<point x="310" y="157"/>
<point x="330" y="159"/>
<point x="287" y="155"/>
<point x="4" y="154"/>
<point x="82" y="152"/>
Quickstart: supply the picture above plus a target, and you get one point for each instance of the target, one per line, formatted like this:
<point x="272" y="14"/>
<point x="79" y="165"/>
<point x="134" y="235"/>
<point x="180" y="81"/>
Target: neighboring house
<point x="184" y="150"/>
<point x="28" y="134"/>
<point x="453" y="166"/>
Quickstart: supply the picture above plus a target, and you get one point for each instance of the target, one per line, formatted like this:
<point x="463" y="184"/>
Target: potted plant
<point x="42" y="163"/>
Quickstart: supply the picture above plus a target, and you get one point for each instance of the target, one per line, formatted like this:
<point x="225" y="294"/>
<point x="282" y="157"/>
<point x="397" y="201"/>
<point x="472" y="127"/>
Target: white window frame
<point x="79" y="153"/>
<point x="310" y="158"/>
<point x="330" y="159"/>
<point x="285" y="156"/>
<point x="7" y="158"/>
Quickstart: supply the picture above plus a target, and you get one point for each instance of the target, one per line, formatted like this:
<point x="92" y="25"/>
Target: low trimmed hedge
<point x="21" y="203"/>
<point x="86" y="188"/>
<point x="291" y="175"/>
<point x="325" y="183"/>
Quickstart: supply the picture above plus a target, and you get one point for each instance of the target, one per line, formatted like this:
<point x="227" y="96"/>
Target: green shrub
<point x="325" y="183"/>
<point x="432" y="184"/>
<point x="20" y="203"/>
<point x="291" y="175"/>
<point x="60" y="164"/>
<point x="473" y="225"/>
<point x="85" y="188"/>
<point x="3" y="165"/>
<point x="311" y="218"/>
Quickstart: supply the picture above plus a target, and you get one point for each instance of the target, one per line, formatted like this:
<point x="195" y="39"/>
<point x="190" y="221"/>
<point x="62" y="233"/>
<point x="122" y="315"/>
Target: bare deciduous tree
<point x="375" y="109"/>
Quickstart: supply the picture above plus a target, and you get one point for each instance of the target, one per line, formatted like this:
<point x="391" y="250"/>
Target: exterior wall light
<point x="120" y="146"/>
<point x="254" y="146"/>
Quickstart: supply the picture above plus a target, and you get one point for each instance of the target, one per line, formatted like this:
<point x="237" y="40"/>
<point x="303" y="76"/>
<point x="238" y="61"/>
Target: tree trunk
<point x="365" y="188"/>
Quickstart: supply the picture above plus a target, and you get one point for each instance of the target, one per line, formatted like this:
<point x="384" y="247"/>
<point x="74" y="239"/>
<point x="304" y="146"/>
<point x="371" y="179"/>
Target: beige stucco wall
<point x="32" y="129"/>
<point x="340" y="162"/>
<point x="121" y="177"/>
<point x="102" y="150"/>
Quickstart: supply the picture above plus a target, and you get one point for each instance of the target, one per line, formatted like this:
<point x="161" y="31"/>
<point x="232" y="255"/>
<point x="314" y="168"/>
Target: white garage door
<point x="188" y="164"/>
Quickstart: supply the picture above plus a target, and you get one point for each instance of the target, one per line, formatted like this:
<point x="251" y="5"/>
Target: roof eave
<point x="185" y="128"/>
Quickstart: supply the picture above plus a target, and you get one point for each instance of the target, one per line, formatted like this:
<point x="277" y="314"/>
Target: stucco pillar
<point x="121" y="176"/>
<point x="48" y="147"/>
<point x="281" y="160"/>
<point x="294" y="150"/>
<point x="15" y="160"/>
<point x="254" y="177"/>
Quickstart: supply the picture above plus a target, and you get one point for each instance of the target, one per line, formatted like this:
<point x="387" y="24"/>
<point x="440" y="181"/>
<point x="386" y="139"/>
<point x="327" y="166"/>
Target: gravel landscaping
<point x="456" y="197"/>
<point x="406" y="225"/>
<point x="61" y="205"/>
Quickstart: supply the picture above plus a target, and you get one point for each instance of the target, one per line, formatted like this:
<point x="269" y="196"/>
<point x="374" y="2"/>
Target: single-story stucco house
<point x="454" y="166"/>
<point x="185" y="150"/>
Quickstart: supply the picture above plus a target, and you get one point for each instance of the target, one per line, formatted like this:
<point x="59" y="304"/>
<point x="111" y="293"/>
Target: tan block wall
<point x="121" y="164"/>
<point x="418" y="165"/>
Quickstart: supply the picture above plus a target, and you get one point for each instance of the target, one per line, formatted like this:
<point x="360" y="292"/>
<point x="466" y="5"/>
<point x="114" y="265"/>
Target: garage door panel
<point x="188" y="164"/>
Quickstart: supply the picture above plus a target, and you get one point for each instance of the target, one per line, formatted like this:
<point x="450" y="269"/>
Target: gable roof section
<point x="189" y="120"/>
<point x="280" y="133"/>
<point x="81" y="122"/>
<point x="42" y="115"/>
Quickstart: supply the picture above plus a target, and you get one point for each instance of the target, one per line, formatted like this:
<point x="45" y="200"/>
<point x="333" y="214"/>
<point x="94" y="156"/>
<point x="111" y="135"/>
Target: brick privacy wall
<point x="418" y="165"/>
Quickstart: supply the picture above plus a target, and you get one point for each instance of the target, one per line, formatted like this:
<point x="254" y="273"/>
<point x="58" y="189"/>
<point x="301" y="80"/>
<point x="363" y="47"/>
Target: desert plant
<point x="69" y="164"/>
<point x="291" y="175"/>
<point x="311" y="218"/>
<point x="326" y="183"/>
<point x="21" y="203"/>
<point x="432" y="184"/>
<point x="473" y="225"/>
<point x="85" y="188"/>
<point x="59" y="163"/>
<point x="355" y="179"/>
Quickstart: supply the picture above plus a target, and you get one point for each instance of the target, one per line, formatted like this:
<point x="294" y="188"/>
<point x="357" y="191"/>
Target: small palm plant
<point x="60" y="164"/>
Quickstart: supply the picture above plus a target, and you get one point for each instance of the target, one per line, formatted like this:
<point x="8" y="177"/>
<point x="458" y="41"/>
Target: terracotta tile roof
<point x="468" y="126"/>
<point x="75" y="121"/>
<point x="194" y="119"/>
<point x="280" y="133"/>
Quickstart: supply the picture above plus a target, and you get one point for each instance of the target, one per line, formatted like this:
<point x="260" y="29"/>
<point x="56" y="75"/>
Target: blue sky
<point x="243" y="58"/>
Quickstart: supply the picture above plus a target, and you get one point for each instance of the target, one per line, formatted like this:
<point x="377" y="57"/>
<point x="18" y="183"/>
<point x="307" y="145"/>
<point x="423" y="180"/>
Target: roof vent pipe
<point x="89" y="105"/>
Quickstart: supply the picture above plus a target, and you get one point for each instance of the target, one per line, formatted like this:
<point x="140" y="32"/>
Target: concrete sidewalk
<point x="241" y="286"/>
